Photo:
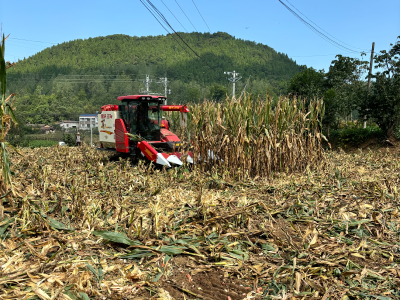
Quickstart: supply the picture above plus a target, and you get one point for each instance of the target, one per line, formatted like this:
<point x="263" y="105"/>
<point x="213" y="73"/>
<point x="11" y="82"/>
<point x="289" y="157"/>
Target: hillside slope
<point x="104" y="67"/>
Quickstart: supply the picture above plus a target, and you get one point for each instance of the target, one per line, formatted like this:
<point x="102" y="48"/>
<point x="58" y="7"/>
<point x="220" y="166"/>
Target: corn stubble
<point x="312" y="225"/>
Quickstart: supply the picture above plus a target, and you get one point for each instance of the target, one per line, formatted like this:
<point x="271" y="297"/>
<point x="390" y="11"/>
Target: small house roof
<point x="88" y="115"/>
<point x="69" y="121"/>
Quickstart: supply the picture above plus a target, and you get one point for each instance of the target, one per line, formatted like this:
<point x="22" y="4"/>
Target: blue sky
<point x="35" y="25"/>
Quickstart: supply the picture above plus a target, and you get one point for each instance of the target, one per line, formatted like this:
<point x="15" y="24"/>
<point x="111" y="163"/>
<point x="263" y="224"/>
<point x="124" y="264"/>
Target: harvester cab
<point x="136" y="127"/>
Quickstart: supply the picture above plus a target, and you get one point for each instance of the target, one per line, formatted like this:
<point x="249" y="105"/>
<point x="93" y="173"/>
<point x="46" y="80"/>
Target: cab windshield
<point x="142" y="118"/>
<point x="148" y="120"/>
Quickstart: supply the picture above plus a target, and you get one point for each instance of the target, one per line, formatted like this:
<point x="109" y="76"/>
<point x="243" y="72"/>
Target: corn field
<point x="86" y="227"/>
<point x="251" y="137"/>
<point x="264" y="214"/>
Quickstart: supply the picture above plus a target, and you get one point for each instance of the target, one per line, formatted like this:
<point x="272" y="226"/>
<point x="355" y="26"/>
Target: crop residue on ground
<point x="86" y="227"/>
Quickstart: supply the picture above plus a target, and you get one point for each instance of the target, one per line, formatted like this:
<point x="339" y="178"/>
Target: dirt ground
<point x="211" y="284"/>
<point x="85" y="227"/>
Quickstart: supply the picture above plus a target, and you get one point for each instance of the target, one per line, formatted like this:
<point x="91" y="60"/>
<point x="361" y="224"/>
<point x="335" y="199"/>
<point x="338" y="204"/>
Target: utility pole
<point x="91" y="133"/>
<point x="146" y="84"/>
<point x="233" y="80"/>
<point x="164" y="81"/>
<point x="369" y="79"/>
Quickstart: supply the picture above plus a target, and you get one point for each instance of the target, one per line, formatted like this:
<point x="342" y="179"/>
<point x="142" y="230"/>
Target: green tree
<point x="218" y="92"/>
<point x="193" y="94"/>
<point x="383" y="103"/>
<point x="82" y="97"/>
<point x="330" y="116"/>
<point x="345" y="77"/>
<point x="308" y="84"/>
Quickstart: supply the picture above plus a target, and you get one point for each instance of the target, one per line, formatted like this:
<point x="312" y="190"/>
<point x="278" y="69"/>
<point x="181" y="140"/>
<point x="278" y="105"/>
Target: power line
<point x="16" y="45"/>
<point x="319" y="33"/>
<point x="154" y="16"/>
<point x="169" y="25"/>
<point x="41" y="74"/>
<point x="174" y="15"/>
<point x="30" y="44"/>
<point x="87" y="81"/>
<point x="322" y="54"/>
<point x="162" y="24"/>
<point x="33" y="41"/>
<point x="186" y="15"/>
<point x="323" y="29"/>
<point x="58" y="77"/>
<point x="48" y="114"/>
<point x="201" y="16"/>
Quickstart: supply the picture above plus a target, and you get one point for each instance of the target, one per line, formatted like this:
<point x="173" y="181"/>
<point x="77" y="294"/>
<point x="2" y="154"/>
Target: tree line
<point x="346" y="94"/>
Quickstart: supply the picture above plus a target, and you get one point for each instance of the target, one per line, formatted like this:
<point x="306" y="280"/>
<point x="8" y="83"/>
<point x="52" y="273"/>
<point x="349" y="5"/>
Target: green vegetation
<point x="355" y="136"/>
<point x="346" y="95"/>
<point x="42" y="143"/>
<point x="383" y="103"/>
<point x="69" y="139"/>
<point x="7" y="118"/>
<point x="117" y="65"/>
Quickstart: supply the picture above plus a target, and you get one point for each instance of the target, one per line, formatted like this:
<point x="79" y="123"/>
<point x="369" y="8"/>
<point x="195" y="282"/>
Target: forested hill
<point x="104" y="67"/>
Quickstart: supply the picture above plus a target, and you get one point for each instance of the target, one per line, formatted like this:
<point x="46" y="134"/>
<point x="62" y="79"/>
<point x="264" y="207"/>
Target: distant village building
<point x="66" y="124"/>
<point x="35" y="125"/>
<point x="42" y="127"/>
<point x="47" y="129"/>
<point x="87" y="120"/>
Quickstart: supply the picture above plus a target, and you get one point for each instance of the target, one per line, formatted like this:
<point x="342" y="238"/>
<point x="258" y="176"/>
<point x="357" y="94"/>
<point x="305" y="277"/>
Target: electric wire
<point x="200" y="15"/>
<point x="90" y="81"/>
<point x="42" y="74"/>
<point x="20" y="46"/>
<point x="169" y="25"/>
<point x="154" y="16"/>
<point x="162" y="24"/>
<point x="320" y="55"/>
<point x="32" y="41"/>
<point x="316" y="31"/>
<point x="30" y="44"/>
<point x="186" y="15"/>
<point x="173" y="15"/>
<point x="323" y="29"/>
<point x="319" y="33"/>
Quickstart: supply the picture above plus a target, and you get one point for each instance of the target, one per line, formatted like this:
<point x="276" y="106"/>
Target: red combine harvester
<point x="140" y="117"/>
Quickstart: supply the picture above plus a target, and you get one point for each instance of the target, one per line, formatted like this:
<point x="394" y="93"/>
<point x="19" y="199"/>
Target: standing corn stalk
<point x="7" y="118"/>
<point x="255" y="137"/>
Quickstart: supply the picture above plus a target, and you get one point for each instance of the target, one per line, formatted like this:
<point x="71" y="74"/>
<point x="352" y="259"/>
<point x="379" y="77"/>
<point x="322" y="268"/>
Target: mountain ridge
<point x="94" y="71"/>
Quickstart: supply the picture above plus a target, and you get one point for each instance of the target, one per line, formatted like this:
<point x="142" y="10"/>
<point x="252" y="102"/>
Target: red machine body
<point x="136" y="127"/>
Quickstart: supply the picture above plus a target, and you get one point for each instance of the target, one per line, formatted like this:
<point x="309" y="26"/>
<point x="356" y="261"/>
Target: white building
<point x="69" y="124"/>
<point x="87" y="120"/>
